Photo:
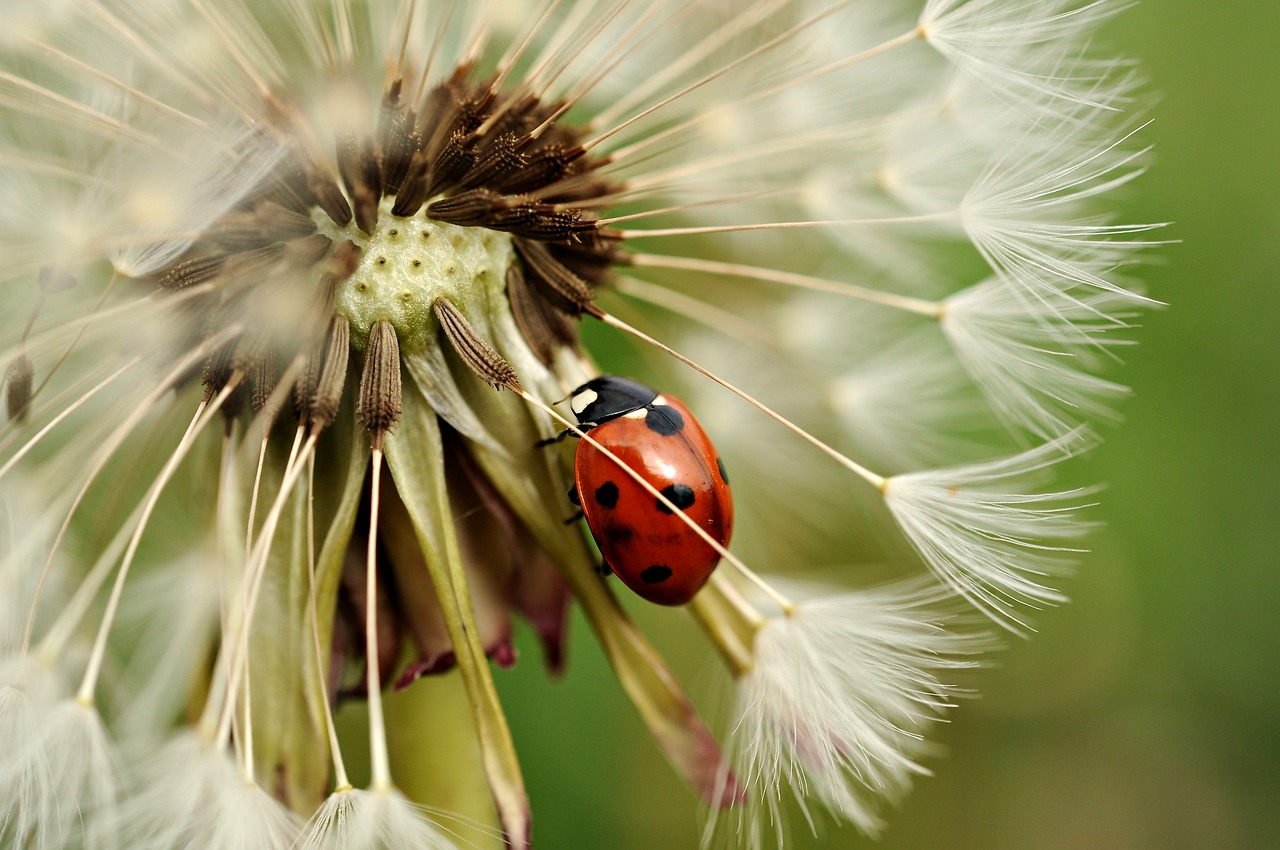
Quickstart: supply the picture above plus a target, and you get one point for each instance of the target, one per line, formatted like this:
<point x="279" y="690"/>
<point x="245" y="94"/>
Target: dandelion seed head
<point x="407" y="263"/>
<point x="292" y="292"/>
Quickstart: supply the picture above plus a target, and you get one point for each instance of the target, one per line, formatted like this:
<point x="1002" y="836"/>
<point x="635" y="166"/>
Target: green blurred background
<point x="1144" y="715"/>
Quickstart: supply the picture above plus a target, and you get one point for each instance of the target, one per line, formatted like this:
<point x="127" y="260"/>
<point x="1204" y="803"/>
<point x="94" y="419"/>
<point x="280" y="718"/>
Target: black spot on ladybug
<point x="724" y="476"/>
<point x="656" y="574"/>
<point x="607" y="495"/>
<point x="680" y="495"/>
<point x="618" y="535"/>
<point x="664" y="420"/>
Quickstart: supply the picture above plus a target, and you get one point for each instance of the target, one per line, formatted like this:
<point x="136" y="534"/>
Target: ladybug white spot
<point x="582" y="400"/>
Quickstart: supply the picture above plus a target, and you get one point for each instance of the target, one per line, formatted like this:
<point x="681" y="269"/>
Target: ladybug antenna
<point x="782" y="602"/>
<point x="874" y="479"/>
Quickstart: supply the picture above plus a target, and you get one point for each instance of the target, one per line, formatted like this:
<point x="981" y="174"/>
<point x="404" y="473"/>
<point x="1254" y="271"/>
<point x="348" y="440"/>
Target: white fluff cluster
<point x="837" y="708"/>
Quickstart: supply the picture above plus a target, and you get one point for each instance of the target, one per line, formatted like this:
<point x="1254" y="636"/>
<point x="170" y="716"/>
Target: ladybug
<point x="651" y="550"/>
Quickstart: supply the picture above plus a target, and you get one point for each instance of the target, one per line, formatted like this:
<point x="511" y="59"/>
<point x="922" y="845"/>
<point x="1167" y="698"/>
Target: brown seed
<point x="542" y="168"/>
<point x="266" y="376"/>
<point x="448" y="168"/>
<point x="192" y="272"/>
<point x="330" y="375"/>
<point x="379" y="404"/>
<point x="530" y="316"/>
<point x="18" y="378"/>
<point x="502" y="159"/>
<point x="475" y="207"/>
<point x="329" y="197"/>
<point x="490" y="366"/>
<point x="361" y="174"/>
<point x="552" y="278"/>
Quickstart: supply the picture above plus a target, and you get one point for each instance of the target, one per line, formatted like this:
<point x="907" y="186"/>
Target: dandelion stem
<point x="508" y="63"/>
<point x="920" y="306"/>
<point x="80" y="332"/>
<point x="204" y="412"/>
<point x="617" y="56"/>
<point x="253" y="498"/>
<point x="117" y="438"/>
<point x="72" y="613"/>
<point x="134" y="93"/>
<point x="782" y="225"/>
<point x="689" y="59"/>
<point x="730" y="621"/>
<point x="207" y="725"/>
<point x="380" y="765"/>
<point x="728" y="199"/>
<point x="63" y="414"/>
<point x="48" y="102"/>
<point x="246" y="65"/>
<point x="714" y="75"/>
<point x="628" y="151"/>
<point x="340" y="779"/>
<point x="255" y="570"/>
<point x="715" y="318"/>
<point x="245" y="735"/>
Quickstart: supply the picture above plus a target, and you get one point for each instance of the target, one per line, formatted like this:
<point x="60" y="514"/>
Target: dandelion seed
<point x="291" y="292"/>
<point x="838" y="701"/>
<point x="368" y="820"/>
<point x="62" y="779"/>
<point x="991" y="541"/>
<point x="1027" y="357"/>
<point x="190" y="794"/>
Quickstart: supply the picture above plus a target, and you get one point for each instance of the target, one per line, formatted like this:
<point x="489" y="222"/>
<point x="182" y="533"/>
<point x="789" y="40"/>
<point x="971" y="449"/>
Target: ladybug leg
<point x="567" y="432"/>
<point x="577" y="515"/>
<point x="604" y="569"/>
<point x="551" y="441"/>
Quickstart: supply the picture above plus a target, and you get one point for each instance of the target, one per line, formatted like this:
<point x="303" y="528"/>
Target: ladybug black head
<point x="608" y="397"/>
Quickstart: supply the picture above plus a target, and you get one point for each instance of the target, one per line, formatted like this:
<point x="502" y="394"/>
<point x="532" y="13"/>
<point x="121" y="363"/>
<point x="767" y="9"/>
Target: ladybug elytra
<point x="652" y="551"/>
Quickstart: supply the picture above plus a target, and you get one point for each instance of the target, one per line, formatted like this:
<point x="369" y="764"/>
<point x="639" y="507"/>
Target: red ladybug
<point x="651" y="550"/>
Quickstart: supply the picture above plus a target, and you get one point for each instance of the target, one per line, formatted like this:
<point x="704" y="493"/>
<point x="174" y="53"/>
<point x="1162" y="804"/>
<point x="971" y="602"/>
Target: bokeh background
<point x="1145" y="714"/>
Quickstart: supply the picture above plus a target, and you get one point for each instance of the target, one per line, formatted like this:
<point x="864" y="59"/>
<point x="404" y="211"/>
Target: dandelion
<point x="293" y="301"/>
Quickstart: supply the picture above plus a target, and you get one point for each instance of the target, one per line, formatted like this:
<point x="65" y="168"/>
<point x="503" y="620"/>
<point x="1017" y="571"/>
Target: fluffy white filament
<point x="985" y="533"/>
<point x="838" y="703"/>
<point x="59" y="783"/>
<point x="353" y="819"/>
<point x="1033" y="360"/>
<point x="190" y="795"/>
